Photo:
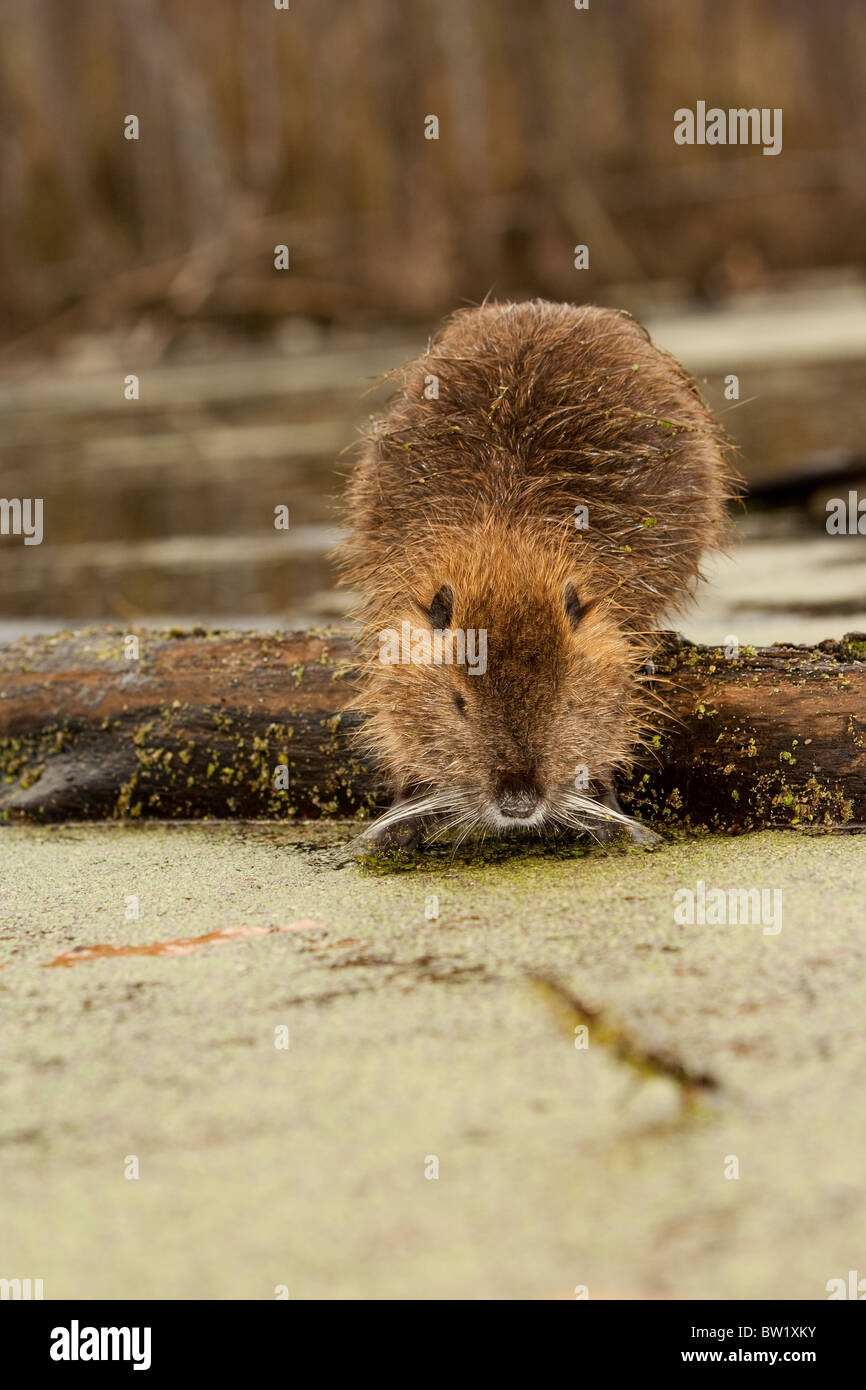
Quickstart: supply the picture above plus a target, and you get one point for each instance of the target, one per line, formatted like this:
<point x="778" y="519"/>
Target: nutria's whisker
<point x="573" y="802"/>
<point x="413" y="808"/>
<point x="466" y="814"/>
<point x="472" y="825"/>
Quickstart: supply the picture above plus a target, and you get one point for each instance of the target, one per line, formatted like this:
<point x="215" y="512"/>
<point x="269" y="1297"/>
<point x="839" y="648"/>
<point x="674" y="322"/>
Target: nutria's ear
<point x="573" y="606"/>
<point x="441" y="608"/>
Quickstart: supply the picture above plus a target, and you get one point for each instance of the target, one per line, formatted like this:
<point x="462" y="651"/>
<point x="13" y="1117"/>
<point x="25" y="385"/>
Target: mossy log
<point x="200" y="723"/>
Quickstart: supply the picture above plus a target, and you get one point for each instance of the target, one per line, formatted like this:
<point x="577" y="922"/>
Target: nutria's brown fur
<point x="462" y="516"/>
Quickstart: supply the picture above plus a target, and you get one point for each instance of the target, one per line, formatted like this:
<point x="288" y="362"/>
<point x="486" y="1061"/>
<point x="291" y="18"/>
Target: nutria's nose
<point x="518" y="805"/>
<point x="516" y="797"/>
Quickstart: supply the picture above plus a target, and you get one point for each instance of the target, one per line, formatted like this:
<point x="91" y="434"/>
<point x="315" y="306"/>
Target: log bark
<point x="198" y="723"/>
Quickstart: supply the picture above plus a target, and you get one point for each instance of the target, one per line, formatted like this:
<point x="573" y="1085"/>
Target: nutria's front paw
<point x="610" y="831"/>
<point x="404" y="835"/>
<point x="616" y="828"/>
<point x="642" y="835"/>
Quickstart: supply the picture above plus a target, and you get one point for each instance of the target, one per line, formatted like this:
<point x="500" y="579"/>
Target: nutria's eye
<point x="459" y="703"/>
<point x="573" y="606"/>
<point x="441" y="608"/>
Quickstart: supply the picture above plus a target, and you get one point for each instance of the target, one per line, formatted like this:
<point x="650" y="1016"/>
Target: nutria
<point x="546" y="481"/>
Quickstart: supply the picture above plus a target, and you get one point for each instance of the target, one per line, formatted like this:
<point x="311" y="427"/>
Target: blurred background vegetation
<point x="306" y="127"/>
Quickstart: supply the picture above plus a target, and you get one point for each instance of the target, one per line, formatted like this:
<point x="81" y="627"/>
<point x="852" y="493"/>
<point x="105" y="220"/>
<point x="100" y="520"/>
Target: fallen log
<point x="108" y="722"/>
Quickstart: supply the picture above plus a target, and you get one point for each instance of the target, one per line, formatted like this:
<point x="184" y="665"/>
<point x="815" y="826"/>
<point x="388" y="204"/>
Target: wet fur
<point x="541" y="407"/>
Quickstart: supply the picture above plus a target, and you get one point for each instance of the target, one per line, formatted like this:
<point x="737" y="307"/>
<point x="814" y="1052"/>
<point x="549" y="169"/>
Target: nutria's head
<point x="520" y="710"/>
